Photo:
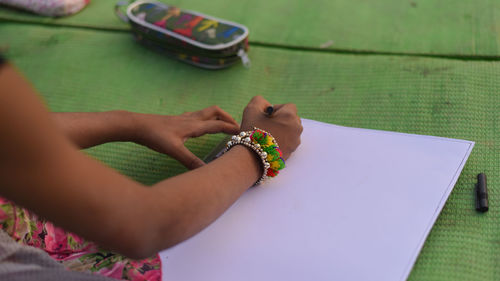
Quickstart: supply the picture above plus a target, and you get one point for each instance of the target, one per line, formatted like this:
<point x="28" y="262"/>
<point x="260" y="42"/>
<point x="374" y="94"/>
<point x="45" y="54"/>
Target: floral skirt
<point x="72" y="251"/>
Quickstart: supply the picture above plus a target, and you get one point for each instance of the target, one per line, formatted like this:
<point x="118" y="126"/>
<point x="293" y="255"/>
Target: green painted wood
<point x="445" y="27"/>
<point x="81" y="70"/>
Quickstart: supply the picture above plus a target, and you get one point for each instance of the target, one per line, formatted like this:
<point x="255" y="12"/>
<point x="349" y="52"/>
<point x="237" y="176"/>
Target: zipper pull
<point x="244" y="58"/>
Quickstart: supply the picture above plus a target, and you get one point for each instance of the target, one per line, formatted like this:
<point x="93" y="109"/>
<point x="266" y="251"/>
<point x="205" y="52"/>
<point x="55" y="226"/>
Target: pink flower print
<point x="89" y="249"/>
<point x="75" y="242"/>
<point x="152" y="275"/>
<point x="3" y="215"/>
<point x="56" y="241"/>
<point x="37" y="235"/>
<point x="144" y="270"/>
<point x="115" y="272"/>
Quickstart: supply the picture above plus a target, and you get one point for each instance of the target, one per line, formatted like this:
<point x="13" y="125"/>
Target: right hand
<point x="284" y="124"/>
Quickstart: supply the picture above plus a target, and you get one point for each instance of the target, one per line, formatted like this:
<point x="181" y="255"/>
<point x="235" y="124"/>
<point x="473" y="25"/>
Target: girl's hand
<point x="284" y="124"/>
<point x="167" y="134"/>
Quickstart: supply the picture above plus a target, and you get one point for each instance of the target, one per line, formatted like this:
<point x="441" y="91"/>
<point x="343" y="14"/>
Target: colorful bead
<point x="279" y="150"/>
<point x="258" y="136"/>
<point x="278" y="164"/>
<point x="273" y="155"/>
<point x="269" y="149"/>
<point x="268" y="141"/>
<point x="272" y="173"/>
<point x="265" y="146"/>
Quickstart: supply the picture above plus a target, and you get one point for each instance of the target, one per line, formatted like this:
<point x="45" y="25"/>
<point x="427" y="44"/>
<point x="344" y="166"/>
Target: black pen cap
<point x="481" y="193"/>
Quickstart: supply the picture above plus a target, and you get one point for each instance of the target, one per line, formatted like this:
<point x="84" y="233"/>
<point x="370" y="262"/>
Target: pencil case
<point x="189" y="36"/>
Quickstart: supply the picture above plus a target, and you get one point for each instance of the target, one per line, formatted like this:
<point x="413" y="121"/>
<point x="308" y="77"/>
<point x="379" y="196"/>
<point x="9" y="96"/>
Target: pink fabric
<point x="74" y="252"/>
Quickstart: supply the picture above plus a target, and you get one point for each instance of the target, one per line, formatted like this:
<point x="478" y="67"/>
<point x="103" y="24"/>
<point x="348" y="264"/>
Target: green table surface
<point x="439" y="27"/>
<point x="96" y="68"/>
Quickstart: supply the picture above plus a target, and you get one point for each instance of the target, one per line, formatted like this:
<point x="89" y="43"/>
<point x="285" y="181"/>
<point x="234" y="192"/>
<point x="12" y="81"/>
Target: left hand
<point x="167" y="134"/>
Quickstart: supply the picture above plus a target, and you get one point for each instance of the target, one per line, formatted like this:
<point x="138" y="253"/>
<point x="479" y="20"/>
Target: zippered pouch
<point x="188" y="36"/>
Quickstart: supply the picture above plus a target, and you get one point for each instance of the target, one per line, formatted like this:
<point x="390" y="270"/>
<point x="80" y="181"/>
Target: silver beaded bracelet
<point x="243" y="138"/>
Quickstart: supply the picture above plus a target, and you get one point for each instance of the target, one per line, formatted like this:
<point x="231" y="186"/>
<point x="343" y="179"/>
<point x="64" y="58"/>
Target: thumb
<point x="187" y="158"/>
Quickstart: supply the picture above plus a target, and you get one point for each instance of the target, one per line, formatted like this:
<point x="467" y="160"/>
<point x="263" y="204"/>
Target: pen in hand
<point x="269" y="110"/>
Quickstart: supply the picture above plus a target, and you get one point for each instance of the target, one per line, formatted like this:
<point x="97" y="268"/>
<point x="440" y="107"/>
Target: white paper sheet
<point x="352" y="204"/>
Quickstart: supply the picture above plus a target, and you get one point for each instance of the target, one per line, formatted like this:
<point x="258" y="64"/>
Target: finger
<point x="224" y="116"/>
<point x="287" y="109"/>
<point x="290" y="107"/>
<point x="187" y="158"/>
<point x="214" y="127"/>
<point x="207" y="113"/>
<point x="278" y="106"/>
<point x="259" y="102"/>
<point x="215" y="112"/>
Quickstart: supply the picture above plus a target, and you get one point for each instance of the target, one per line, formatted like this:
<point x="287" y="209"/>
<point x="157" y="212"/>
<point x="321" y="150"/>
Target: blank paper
<point x="351" y="204"/>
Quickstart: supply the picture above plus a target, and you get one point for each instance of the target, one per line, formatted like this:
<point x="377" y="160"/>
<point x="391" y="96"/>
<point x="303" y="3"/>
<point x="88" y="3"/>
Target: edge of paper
<point x="438" y="210"/>
<point x="445" y="196"/>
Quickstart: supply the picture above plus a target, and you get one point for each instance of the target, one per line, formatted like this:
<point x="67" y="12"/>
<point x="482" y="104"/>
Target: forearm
<point x="121" y="215"/>
<point x="85" y="197"/>
<point x="87" y="129"/>
<point x="196" y="198"/>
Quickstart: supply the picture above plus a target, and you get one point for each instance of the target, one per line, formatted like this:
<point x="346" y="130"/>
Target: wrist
<point x="124" y="124"/>
<point x="265" y="147"/>
<point x="135" y="125"/>
<point x="249" y="159"/>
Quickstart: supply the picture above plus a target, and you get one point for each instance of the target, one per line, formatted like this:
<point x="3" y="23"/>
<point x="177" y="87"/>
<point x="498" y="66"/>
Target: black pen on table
<point x="481" y="194"/>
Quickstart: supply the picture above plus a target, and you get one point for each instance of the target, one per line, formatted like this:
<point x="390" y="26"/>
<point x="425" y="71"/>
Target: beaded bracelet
<point x="266" y="147"/>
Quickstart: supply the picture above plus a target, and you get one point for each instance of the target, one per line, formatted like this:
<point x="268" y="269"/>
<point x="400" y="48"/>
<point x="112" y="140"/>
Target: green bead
<point x="272" y="155"/>
<point x="270" y="149"/>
